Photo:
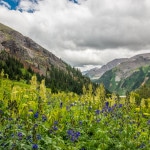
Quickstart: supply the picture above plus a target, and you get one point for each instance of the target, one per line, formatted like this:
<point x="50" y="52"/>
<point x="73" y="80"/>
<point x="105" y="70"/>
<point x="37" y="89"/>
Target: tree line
<point x="70" y="80"/>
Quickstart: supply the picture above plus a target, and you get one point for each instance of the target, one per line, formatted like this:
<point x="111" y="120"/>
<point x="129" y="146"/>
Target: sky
<point x="84" y="33"/>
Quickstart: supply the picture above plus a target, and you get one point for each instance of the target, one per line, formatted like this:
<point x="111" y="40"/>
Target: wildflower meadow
<point x="31" y="118"/>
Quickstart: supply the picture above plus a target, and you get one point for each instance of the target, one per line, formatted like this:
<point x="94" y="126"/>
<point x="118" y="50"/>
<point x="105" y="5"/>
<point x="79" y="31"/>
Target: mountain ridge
<point x="128" y="75"/>
<point x="96" y="73"/>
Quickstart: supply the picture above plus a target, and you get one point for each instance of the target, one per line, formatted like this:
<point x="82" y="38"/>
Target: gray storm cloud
<point x="86" y="33"/>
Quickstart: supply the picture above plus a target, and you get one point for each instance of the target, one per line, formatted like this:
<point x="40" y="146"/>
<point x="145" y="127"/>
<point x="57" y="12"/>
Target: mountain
<point x="27" y="51"/>
<point x="128" y="75"/>
<point x="96" y="73"/>
<point x="34" y="58"/>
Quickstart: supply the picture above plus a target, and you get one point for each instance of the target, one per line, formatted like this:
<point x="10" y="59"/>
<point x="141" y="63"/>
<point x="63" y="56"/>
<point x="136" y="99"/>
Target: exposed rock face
<point x="27" y="51"/>
<point x="125" y="69"/>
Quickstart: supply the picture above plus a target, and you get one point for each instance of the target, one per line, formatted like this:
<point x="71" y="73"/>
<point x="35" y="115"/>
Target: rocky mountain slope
<point x="128" y="75"/>
<point x="58" y="74"/>
<point x="27" y="51"/>
<point x="96" y="73"/>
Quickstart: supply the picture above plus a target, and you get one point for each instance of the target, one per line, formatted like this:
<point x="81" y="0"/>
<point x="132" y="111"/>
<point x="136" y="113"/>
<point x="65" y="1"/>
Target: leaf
<point x="47" y="140"/>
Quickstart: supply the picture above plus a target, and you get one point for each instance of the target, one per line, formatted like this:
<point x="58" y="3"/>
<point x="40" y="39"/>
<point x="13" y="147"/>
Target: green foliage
<point x="134" y="81"/>
<point x="144" y="91"/>
<point x="34" y="118"/>
<point x="106" y="78"/>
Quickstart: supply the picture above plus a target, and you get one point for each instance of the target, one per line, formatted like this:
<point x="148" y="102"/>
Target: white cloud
<point x="5" y="4"/>
<point x="92" y="33"/>
<point x="89" y="59"/>
<point x="95" y="57"/>
<point x="27" y="5"/>
<point x="87" y="67"/>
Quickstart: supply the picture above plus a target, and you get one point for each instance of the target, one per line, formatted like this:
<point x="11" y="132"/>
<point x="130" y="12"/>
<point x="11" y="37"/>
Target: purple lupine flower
<point x="97" y="112"/>
<point x="120" y="105"/>
<point x="55" y="128"/>
<point x="115" y="105"/>
<point x="20" y="134"/>
<point x="73" y="138"/>
<point x="109" y="109"/>
<point x="73" y="135"/>
<point x="107" y="104"/>
<point x="34" y="146"/>
<point x="36" y="115"/>
<point x="77" y="134"/>
<point x="55" y="122"/>
<point x="70" y="132"/>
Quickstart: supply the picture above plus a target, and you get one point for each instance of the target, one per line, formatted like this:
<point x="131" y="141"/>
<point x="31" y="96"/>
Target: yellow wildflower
<point x="143" y="103"/>
<point x="137" y="109"/>
<point x="25" y="96"/>
<point x="144" y="133"/>
<point x="30" y="112"/>
<point x="24" y="105"/>
<point x="146" y="114"/>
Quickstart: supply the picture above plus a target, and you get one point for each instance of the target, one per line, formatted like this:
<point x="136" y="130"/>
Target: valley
<point x="47" y="104"/>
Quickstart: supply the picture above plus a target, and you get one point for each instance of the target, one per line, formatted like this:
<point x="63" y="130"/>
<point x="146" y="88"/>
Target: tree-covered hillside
<point x="56" y="79"/>
<point x="135" y="80"/>
<point x="13" y="68"/>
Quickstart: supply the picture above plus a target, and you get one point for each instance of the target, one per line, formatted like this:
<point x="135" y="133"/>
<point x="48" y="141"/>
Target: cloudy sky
<point x="84" y="33"/>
